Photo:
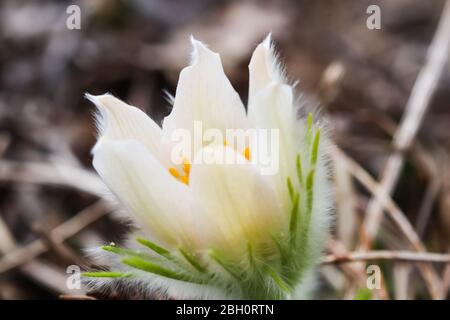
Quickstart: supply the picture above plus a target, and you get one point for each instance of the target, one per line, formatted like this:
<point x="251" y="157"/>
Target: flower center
<point x="246" y="153"/>
<point x="183" y="176"/>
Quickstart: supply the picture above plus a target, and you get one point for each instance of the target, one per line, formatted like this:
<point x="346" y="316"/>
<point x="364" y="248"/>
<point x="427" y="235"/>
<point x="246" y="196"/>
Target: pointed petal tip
<point x="267" y="42"/>
<point x="196" y="43"/>
<point x="200" y="50"/>
<point x="97" y="99"/>
<point x="192" y="39"/>
<point x="92" y="98"/>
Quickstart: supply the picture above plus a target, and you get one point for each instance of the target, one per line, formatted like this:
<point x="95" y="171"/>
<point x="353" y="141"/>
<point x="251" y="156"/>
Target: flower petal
<point x="205" y="94"/>
<point x="272" y="108"/>
<point x="234" y="204"/>
<point x="264" y="68"/>
<point x="158" y="202"/>
<point x="271" y="105"/>
<point x="117" y="120"/>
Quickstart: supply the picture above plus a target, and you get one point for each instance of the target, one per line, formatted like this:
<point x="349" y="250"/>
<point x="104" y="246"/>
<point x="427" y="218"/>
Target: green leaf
<point x="107" y="274"/>
<point x="293" y="223"/>
<point x="121" y="251"/>
<point x="290" y="188"/>
<point x="310" y="191"/>
<point x="278" y="280"/>
<point x="217" y="257"/>
<point x="154" y="247"/>
<point x="251" y="257"/>
<point x="193" y="261"/>
<point x="309" y="206"/>
<point x="315" y="148"/>
<point x="284" y="252"/>
<point x="299" y="169"/>
<point x="151" y="267"/>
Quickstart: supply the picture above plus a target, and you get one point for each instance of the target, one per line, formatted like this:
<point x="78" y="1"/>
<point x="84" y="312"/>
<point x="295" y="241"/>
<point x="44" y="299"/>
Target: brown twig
<point x="337" y="248"/>
<point x="47" y="274"/>
<point x="416" y="107"/>
<point x="446" y="277"/>
<point x="383" y="198"/>
<point x="64" y="231"/>
<point x="354" y="270"/>
<point x="427" y="165"/>
<point x="43" y="273"/>
<point x="430" y="275"/>
<point x="75" y="297"/>
<point x="58" y="247"/>
<point x="411" y="256"/>
<point x="51" y="174"/>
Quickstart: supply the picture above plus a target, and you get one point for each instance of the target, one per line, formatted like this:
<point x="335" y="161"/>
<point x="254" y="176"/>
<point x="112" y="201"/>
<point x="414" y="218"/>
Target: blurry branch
<point x="346" y="204"/>
<point x="75" y="297"/>
<point x="387" y="255"/>
<point x="52" y="174"/>
<point x="64" y="231"/>
<point x="427" y="165"/>
<point x="416" y="107"/>
<point x="47" y="274"/>
<point x="424" y="162"/>
<point x="43" y="273"/>
<point x="430" y="166"/>
<point x="446" y="277"/>
<point x="7" y="242"/>
<point x="328" y="87"/>
<point x="5" y="140"/>
<point x="355" y="273"/>
<point x="404" y="136"/>
<point x="383" y="198"/>
<point x="57" y="246"/>
<point x="379" y="193"/>
<point x="444" y="209"/>
<point x="337" y="248"/>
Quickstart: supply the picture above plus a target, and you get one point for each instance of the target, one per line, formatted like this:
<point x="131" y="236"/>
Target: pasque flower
<point x="216" y="230"/>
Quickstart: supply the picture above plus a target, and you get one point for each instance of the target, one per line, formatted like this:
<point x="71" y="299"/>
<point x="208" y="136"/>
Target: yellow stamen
<point x="185" y="179"/>
<point x="186" y="167"/>
<point x="225" y="142"/>
<point x="247" y="153"/>
<point x="173" y="171"/>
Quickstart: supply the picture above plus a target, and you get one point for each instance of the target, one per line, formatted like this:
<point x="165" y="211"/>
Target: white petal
<point x="272" y="108"/>
<point x="117" y="120"/>
<point x="205" y="94"/>
<point x="233" y="203"/>
<point x="158" y="202"/>
<point x="264" y="68"/>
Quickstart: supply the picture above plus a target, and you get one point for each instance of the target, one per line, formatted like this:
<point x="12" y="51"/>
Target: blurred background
<point x="362" y="80"/>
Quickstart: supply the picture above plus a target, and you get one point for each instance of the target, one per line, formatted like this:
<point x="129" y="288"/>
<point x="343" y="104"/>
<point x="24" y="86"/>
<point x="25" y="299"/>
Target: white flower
<point x="216" y="230"/>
